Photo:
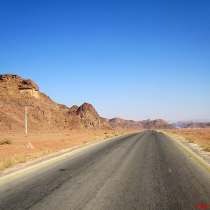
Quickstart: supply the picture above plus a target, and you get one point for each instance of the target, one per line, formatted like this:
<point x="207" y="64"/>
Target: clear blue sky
<point x="130" y="59"/>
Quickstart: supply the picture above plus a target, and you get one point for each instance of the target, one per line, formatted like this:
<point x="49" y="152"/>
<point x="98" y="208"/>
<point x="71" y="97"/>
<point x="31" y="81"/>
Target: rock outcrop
<point x="15" y="83"/>
<point x="28" y="85"/>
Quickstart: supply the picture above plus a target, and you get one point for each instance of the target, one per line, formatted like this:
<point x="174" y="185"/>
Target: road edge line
<point x="197" y="158"/>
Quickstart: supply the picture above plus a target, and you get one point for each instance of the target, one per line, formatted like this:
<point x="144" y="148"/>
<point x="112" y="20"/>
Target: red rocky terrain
<point x="43" y="113"/>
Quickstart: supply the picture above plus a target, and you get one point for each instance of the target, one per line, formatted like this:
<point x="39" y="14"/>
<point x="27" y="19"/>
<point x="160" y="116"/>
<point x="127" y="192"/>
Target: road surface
<point x="138" y="171"/>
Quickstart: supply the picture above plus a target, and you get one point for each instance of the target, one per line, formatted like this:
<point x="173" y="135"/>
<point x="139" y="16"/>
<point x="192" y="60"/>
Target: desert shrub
<point x="7" y="163"/>
<point x="12" y="161"/>
<point x="191" y="139"/>
<point x="206" y="148"/>
<point x="5" y="141"/>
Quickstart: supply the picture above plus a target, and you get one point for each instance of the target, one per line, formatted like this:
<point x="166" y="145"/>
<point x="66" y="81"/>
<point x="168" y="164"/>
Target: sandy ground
<point x="17" y="153"/>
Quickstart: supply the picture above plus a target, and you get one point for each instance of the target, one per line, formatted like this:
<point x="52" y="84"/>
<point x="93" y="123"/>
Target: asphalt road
<point x="138" y="171"/>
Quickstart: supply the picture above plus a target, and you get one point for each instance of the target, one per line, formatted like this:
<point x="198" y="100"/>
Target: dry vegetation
<point x="13" y="149"/>
<point x="200" y="137"/>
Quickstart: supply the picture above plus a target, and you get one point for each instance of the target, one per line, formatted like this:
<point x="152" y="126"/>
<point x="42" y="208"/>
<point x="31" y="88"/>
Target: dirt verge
<point x="18" y="151"/>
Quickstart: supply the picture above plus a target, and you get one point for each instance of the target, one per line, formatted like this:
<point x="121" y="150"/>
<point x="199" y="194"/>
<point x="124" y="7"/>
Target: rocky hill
<point x="198" y="125"/>
<point x="43" y="113"/>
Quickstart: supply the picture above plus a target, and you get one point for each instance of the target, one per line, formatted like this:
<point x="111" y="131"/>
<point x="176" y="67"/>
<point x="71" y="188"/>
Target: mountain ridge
<point x="184" y="123"/>
<point x="119" y="123"/>
<point x="45" y="114"/>
<point x="198" y="125"/>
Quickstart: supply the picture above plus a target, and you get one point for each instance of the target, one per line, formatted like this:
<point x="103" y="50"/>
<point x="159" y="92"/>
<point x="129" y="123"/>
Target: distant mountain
<point x="184" y="123"/>
<point x="198" y="125"/>
<point x="157" y="124"/>
<point x="181" y="124"/>
<point x="119" y="123"/>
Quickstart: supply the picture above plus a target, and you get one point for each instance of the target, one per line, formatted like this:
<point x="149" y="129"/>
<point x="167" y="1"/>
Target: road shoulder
<point x="196" y="152"/>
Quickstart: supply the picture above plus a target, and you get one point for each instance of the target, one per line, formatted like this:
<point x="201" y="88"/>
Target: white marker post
<point x="26" y="114"/>
<point x="26" y="119"/>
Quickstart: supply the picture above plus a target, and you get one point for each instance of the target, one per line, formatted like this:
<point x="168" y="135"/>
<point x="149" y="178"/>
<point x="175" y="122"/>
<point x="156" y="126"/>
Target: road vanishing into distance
<point x="138" y="171"/>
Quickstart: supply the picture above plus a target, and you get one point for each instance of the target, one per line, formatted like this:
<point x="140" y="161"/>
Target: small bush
<point x="106" y="137"/>
<point x="191" y="139"/>
<point x="7" y="163"/>
<point x="12" y="161"/>
<point x="206" y="148"/>
<point x="6" y="141"/>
